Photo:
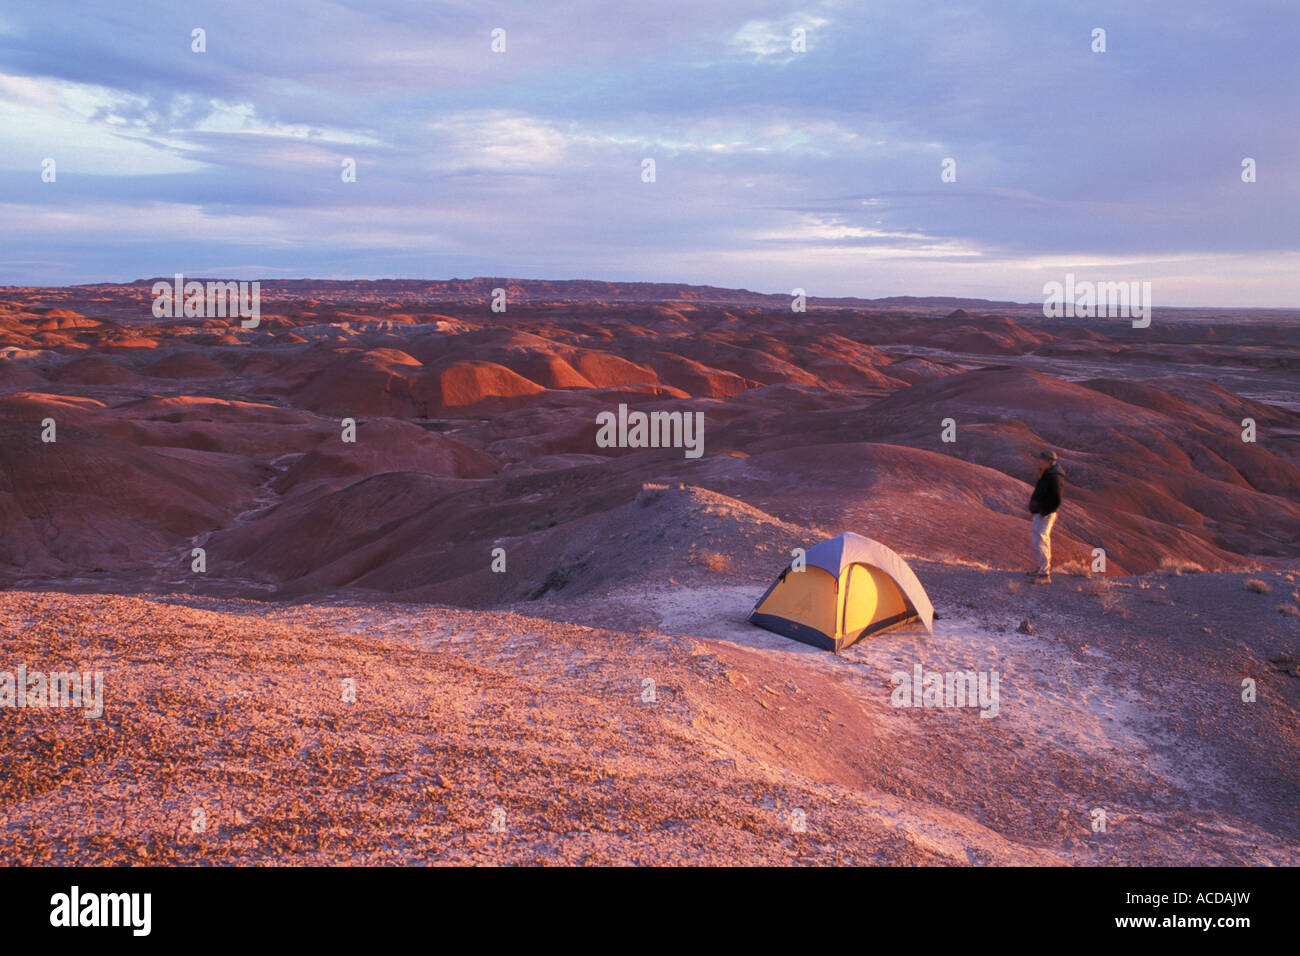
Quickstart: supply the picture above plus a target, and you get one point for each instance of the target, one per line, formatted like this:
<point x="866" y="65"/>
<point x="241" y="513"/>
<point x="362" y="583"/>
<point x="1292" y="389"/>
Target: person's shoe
<point x="1042" y="579"/>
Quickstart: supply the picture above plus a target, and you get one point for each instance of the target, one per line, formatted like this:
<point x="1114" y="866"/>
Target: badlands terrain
<point x="546" y="636"/>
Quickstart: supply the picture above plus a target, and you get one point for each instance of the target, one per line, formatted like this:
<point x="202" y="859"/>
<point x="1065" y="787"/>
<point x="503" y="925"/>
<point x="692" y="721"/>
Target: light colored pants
<point x="1041" y="528"/>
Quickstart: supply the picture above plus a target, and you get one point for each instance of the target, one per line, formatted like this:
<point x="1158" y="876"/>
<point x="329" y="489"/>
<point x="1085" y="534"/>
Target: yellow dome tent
<point x="849" y="587"/>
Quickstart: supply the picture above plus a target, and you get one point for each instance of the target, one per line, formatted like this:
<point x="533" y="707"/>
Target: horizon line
<point x="615" y="282"/>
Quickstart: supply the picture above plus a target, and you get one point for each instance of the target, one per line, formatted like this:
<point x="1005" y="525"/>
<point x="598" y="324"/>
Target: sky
<point x="775" y="168"/>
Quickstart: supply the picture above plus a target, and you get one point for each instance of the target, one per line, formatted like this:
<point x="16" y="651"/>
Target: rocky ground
<point x="546" y="637"/>
<point x="662" y="730"/>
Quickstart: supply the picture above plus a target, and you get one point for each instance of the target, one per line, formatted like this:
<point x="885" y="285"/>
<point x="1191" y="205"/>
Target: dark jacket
<point x="1047" y="493"/>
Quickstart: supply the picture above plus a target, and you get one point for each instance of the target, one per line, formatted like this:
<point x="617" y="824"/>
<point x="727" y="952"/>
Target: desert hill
<point x="472" y="427"/>
<point x="392" y="485"/>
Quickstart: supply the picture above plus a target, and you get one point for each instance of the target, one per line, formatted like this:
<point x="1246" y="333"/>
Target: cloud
<point x="770" y="163"/>
<point x="79" y="126"/>
<point x="765" y="39"/>
<point x="498" y="140"/>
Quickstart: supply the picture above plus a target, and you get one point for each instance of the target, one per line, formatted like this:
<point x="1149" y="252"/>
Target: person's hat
<point x="1047" y="455"/>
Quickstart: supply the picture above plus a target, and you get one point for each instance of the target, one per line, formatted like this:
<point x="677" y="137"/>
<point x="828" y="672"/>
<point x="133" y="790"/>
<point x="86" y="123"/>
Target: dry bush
<point x="1179" y="566"/>
<point x="1288" y="609"/>
<point x="650" y="493"/>
<point x="1077" y="567"/>
<point x="714" y="561"/>
<point x="1097" y="586"/>
<point x="1257" y="586"/>
<point x="1104" y="590"/>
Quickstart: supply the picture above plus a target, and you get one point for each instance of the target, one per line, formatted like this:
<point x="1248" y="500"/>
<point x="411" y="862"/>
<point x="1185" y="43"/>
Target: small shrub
<point x="1256" y="586"/>
<point x="714" y="561"/>
<point x="1179" y="566"/>
<point x="650" y="493"/>
<point x="1074" y="566"/>
<point x="1097" y="586"/>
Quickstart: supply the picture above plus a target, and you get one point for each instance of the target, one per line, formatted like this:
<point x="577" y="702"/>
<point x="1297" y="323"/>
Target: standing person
<point x="1043" y="504"/>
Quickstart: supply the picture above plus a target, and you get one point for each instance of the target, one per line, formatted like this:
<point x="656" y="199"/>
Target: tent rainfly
<point x="850" y="587"/>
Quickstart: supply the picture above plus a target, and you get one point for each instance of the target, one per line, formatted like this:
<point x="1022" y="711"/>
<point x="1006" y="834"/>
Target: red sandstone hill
<point x="91" y="502"/>
<point x="92" y="370"/>
<point x="359" y="382"/>
<point x="382" y="446"/>
<point x="580" y="570"/>
<point x="1173" y="464"/>
<point x="475" y="428"/>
